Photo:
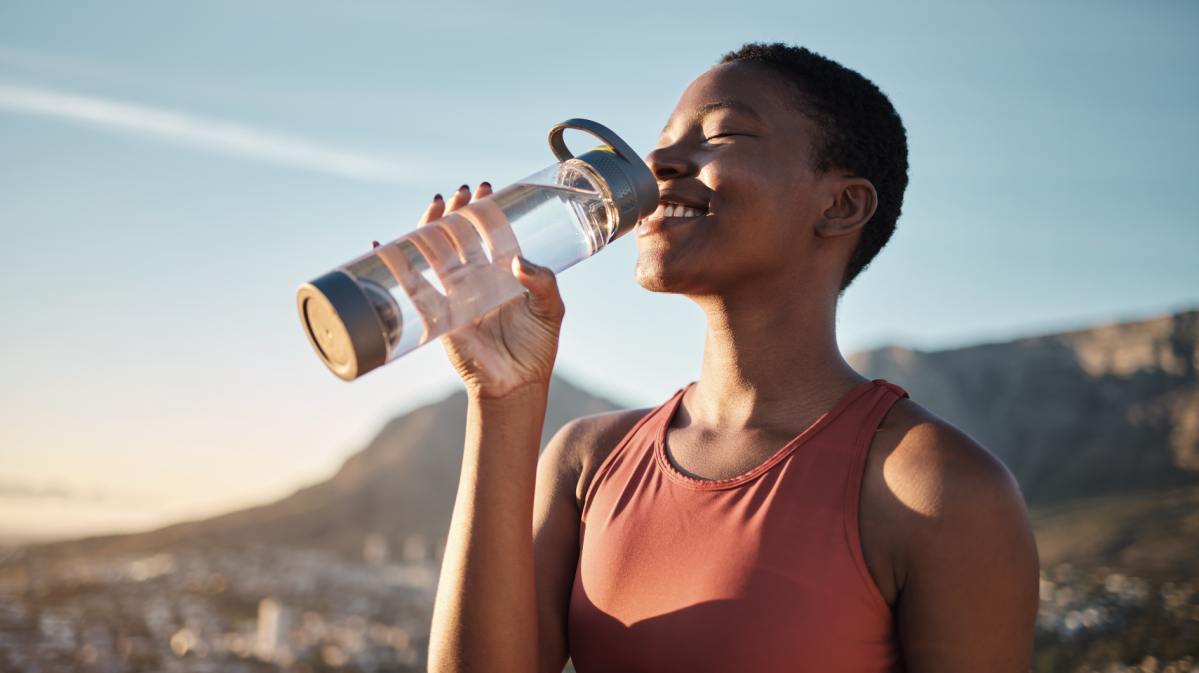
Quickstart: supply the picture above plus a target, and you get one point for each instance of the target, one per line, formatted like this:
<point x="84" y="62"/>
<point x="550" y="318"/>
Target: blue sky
<point x="170" y="172"/>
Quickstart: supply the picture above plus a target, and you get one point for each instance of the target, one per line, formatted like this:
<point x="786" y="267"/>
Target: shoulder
<point x="930" y="489"/>
<point x="947" y="540"/>
<point x="577" y="450"/>
<point x="930" y="466"/>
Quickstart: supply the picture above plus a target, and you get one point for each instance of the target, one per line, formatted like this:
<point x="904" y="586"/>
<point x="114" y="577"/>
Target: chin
<point x="650" y="279"/>
<point x="658" y="274"/>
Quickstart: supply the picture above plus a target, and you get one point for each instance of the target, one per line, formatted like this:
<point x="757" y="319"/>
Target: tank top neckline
<point x="672" y="473"/>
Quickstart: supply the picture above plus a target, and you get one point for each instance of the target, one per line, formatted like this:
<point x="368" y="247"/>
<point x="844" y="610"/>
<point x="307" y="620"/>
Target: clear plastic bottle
<point x="407" y="292"/>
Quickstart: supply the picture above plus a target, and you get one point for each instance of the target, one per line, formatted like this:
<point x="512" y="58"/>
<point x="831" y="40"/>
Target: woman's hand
<point x="486" y="614"/>
<point x="511" y="346"/>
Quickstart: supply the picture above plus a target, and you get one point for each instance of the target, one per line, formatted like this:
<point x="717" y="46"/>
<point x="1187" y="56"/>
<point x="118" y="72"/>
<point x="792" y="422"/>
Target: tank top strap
<point x="878" y="402"/>
<point x="893" y="388"/>
<point x="861" y="404"/>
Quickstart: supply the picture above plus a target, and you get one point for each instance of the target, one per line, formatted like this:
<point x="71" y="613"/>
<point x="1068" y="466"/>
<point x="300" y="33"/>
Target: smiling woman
<point x="783" y="512"/>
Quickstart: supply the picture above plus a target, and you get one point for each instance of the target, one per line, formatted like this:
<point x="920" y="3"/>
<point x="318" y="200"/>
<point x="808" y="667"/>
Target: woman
<point x="782" y="513"/>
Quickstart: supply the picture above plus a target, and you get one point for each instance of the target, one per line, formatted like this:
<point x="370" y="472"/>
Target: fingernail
<point x="485" y="184"/>
<point x="437" y="197"/>
<point x="374" y="244"/>
<point x="464" y="188"/>
<point x="526" y="265"/>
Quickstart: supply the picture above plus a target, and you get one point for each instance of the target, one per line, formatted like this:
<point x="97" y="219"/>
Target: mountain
<point x="1154" y="534"/>
<point x="1100" y="427"/>
<point x="402" y="484"/>
<point x="1114" y="409"/>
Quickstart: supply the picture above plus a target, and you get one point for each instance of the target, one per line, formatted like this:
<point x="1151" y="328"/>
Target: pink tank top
<point x="762" y="572"/>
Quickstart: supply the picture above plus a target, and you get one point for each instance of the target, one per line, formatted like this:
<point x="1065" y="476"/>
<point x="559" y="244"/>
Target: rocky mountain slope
<point x="1153" y="534"/>
<point x="1113" y="409"/>
<point x="402" y="484"/>
<point x="1092" y="414"/>
<point x="1101" y="428"/>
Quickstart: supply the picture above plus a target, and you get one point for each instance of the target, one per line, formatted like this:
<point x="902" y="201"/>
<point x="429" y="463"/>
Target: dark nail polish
<point x="464" y="188"/>
<point x="526" y="265"/>
<point x="485" y="184"/>
<point x="374" y="244"/>
<point x="437" y="198"/>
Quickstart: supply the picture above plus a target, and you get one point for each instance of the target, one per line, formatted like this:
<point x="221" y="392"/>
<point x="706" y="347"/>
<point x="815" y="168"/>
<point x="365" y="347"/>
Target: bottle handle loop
<point x="603" y="133"/>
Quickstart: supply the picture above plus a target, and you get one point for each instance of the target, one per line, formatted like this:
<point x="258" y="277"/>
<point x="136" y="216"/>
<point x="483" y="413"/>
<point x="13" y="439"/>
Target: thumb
<point x="544" y="299"/>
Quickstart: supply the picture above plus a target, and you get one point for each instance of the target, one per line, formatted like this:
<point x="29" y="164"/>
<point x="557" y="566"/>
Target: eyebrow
<point x="699" y="114"/>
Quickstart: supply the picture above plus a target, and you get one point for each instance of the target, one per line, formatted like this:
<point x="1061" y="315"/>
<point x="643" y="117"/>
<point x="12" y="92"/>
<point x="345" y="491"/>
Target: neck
<point x="769" y="363"/>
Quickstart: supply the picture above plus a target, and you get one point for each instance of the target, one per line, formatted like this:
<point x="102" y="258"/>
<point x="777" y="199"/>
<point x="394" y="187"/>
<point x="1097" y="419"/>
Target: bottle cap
<point x="342" y="325"/>
<point x="630" y="182"/>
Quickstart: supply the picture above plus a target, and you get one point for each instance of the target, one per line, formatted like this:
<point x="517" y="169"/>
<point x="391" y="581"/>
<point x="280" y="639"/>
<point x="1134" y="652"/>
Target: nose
<point x="670" y="162"/>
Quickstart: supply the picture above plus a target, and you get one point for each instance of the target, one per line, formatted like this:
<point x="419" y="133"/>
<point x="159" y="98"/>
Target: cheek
<point x="758" y="217"/>
<point x="773" y="206"/>
<point x="747" y="186"/>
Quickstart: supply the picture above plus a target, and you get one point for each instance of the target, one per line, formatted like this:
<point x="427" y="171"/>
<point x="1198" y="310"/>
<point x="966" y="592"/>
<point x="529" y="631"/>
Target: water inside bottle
<point x="548" y="236"/>
<point x="453" y="270"/>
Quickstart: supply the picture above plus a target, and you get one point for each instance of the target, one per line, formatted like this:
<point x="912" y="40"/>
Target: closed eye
<point x="721" y="135"/>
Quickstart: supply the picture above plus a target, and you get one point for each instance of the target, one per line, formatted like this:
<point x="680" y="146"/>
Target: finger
<point x="459" y="199"/>
<point x="430" y="304"/>
<point x="491" y="227"/>
<point x="483" y="191"/>
<point x="402" y="259"/>
<point x="435" y="210"/>
<point x="464" y="238"/>
<point x="544" y="299"/>
<point x="437" y="250"/>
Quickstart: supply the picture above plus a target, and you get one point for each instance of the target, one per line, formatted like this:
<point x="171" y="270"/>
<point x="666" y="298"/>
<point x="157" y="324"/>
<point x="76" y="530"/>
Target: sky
<point x="171" y="172"/>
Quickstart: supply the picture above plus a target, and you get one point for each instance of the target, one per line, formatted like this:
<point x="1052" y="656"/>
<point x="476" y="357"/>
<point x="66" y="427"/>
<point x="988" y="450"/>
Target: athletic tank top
<point x="762" y="572"/>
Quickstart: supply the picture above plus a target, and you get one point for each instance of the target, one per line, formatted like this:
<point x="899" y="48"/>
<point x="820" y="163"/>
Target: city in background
<point x="170" y="173"/>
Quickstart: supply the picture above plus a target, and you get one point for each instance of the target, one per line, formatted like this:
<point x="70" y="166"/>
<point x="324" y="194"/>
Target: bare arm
<point x="563" y="475"/>
<point x="509" y="566"/>
<point x="485" y="616"/>
<point x="564" y="472"/>
<point x="947" y="539"/>
<point x="486" y="612"/>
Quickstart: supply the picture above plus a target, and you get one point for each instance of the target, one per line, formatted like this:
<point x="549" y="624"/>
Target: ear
<point x="853" y="204"/>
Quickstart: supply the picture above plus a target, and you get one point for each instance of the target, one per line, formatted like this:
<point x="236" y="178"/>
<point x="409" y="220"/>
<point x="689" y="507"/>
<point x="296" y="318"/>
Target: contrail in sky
<point x="200" y="133"/>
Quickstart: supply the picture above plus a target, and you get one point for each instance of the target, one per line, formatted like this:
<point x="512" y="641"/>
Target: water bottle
<point x="420" y="286"/>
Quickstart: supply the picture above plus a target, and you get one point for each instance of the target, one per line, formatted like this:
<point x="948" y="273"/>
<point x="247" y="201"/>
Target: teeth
<point x="675" y="210"/>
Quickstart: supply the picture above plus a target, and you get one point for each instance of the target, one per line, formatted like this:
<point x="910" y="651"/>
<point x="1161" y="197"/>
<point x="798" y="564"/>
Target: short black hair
<point x="860" y="132"/>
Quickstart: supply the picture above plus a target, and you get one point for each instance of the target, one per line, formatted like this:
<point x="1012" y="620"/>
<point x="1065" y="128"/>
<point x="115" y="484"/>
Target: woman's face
<point x="739" y="198"/>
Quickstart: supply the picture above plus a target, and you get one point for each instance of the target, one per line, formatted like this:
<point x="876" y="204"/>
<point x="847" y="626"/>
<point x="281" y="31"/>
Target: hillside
<point x="1155" y="534"/>
<point x="1100" y="427"/>
<point x="1114" y="409"/>
<point x="403" y="483"/>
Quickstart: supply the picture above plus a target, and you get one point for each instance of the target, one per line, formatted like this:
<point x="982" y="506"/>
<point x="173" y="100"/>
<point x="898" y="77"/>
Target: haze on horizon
<point x="169" y="175"/>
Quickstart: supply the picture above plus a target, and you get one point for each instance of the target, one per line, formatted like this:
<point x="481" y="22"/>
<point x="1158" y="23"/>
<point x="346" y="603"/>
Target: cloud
<point x="19" y="491"/>
<point x="25" y="491"/>
<point x="200" y="133"/>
